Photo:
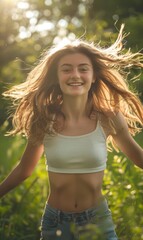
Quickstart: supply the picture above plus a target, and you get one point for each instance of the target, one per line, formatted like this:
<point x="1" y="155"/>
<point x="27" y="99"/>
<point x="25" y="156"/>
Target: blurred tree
<point x="29" y="26"/>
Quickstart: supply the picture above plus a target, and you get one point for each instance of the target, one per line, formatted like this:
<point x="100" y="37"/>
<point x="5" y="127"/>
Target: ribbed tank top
<point x="76" y="154"/>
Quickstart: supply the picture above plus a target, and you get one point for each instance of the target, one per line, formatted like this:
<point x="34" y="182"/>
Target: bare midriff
<point x="75" y="192"/>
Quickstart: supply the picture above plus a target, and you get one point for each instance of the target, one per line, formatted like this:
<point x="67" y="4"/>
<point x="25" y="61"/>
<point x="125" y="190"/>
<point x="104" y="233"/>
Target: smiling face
<point x="75" y="74"/>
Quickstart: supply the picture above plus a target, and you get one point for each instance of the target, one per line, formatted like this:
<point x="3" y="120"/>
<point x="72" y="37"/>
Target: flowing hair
<point x="39" y="98"/>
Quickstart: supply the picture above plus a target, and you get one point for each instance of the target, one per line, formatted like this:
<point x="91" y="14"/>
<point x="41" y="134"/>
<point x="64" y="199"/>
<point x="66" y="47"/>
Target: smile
<point x="75" y="84"/>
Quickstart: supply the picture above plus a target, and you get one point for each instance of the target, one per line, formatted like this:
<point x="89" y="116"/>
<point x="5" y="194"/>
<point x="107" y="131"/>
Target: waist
<point x="68" y="190"/>
<point x="83" y="216"/>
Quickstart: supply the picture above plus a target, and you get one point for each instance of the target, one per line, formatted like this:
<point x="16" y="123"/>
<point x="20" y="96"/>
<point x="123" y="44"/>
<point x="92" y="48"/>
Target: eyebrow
<point x="81" y="64"/>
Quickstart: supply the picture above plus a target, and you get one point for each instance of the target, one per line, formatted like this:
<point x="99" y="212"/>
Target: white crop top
<point x="76" y="154"/>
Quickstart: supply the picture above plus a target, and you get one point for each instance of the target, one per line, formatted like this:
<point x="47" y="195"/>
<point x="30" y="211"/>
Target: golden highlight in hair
<point x="39" y="98"/>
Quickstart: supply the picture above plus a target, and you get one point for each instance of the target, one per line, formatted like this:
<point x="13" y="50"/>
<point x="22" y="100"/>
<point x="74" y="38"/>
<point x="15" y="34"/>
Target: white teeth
<point x="75" y="84"/>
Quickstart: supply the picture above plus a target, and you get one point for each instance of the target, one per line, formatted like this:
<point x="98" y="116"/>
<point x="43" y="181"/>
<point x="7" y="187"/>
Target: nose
<point x="75" y="73"/>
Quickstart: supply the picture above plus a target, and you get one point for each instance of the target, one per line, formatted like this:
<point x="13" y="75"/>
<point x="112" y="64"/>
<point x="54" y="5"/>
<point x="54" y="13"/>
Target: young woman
<point x="72" y="101"/>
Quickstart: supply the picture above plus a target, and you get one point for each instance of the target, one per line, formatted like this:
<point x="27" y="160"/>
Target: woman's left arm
<point x="126" y="142"/>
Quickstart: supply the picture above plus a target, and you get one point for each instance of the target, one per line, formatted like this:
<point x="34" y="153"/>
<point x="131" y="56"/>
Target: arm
<point x="23" y="169"/>
<point x="125" y="141"/>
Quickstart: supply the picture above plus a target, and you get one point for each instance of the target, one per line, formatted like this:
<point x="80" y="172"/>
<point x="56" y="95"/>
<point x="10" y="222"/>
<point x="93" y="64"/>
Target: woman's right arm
<point x="23" y="169"/>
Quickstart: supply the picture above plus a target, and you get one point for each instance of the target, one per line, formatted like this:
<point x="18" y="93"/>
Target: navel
<point x="76" y="205"/>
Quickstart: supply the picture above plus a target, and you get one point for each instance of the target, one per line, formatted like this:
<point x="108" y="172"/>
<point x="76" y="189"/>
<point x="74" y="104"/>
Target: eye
<point x="83" y="69"/>
<point x="66" y="70"/>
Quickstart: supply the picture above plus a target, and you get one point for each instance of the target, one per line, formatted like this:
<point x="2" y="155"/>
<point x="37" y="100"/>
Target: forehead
<point x="74" y="59"/>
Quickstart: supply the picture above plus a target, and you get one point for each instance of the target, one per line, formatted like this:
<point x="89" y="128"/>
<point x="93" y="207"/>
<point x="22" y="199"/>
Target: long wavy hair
<point x="39" y="98"/>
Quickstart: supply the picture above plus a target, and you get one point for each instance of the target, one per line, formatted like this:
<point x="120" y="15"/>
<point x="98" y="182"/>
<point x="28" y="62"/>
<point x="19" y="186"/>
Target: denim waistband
<point x="79" y="216"/>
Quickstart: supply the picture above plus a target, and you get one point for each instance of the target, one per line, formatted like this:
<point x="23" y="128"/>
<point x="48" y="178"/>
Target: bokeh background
<point x="27" y="29"/>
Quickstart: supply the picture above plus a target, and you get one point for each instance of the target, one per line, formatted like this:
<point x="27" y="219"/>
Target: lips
<point x="75" y="84"/>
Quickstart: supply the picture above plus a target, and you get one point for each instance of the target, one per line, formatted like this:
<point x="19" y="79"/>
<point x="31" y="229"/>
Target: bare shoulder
<point x="118" y="121"/>
<point x="113" y="122"/>
<point x="117" y="127"/>
<point x="126" y="142"/>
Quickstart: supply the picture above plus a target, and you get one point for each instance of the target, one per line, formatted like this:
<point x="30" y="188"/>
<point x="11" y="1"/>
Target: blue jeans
<point x="91" y="224"/>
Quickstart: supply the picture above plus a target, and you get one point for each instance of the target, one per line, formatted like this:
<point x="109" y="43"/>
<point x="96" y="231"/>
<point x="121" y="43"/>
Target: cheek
<point x="61" y="83"/>
<point x="61" y="80"/>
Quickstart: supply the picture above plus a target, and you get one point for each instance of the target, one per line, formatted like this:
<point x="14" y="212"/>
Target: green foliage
<point x="21" y="212"/>
<point x="123" y="187"/>
<point x="21" y="209"/>
<point x="28" y="27"/>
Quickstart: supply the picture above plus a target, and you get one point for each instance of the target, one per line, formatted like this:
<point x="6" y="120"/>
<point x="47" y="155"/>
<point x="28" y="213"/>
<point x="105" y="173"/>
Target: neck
<point x="75" y="108"/>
